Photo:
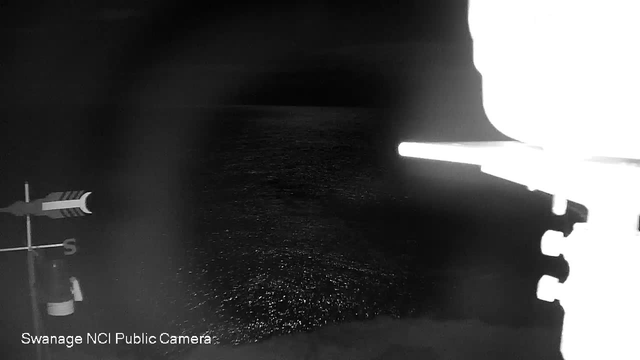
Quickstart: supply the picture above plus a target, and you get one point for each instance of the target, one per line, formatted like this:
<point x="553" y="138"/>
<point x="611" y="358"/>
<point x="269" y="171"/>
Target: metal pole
<point x="35" y="312"/>
<point x="32" y="247"/>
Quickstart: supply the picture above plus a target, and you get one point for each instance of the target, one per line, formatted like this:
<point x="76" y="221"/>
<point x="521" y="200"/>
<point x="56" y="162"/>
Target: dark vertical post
<point x="35" y="312"/>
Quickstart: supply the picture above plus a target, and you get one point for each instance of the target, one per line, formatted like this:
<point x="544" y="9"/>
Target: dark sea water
<point x="269" y="221"/>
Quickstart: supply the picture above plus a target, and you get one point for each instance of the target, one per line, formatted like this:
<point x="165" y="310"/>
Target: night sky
<point x="290" y="53"/>
<point x="89" y="61"/>
<point x="122" y="98"/>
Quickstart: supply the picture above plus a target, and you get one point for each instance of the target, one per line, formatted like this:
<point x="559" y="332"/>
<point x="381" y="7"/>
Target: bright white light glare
<point x="564" y="75"/>
<point x="476" y="153"/>
<point x="549" y="289"/>
<point x="441" y="152"/>
<point x="552" y="243"/>
<point x="561" y="74"/>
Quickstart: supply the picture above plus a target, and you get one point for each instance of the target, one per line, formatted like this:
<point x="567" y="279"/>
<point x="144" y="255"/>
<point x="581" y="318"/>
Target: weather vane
<point x="65" y="290"/>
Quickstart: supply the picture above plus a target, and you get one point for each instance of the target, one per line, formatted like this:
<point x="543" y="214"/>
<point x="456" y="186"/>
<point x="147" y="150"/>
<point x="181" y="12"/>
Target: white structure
<point x="561" y="78"/>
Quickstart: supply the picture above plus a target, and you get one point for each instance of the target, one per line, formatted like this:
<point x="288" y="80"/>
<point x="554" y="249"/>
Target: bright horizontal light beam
<point x="438" y="152"/>
<point x="475" y="153"/>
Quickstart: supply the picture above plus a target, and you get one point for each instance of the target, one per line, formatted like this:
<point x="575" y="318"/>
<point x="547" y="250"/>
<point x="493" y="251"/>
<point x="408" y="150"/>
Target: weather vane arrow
<point x="56" y="205"/>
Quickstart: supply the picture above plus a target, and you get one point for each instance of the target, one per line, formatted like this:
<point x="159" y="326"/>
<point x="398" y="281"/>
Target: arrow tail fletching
<point x="55" y="214"/>
<point x="54" y="196"/>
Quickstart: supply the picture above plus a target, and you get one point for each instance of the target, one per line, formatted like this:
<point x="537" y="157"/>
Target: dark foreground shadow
<point x="388" y="339"/>
<point x="385" y="339"/>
